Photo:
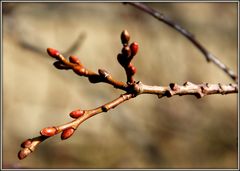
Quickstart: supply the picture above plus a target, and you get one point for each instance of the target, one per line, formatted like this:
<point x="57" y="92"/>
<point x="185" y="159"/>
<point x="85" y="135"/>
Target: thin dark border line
<point x="100" y="2"/>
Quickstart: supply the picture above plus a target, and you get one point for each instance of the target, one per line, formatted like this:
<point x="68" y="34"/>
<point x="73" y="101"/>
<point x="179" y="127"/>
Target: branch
<point x="188" y="88"/>
<point x="132" y="89"/>
<point x="161" y="17"/>
<point x="69" y="128"/>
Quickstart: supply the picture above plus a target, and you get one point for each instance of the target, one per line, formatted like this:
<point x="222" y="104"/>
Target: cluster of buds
<point x="73" y="63"/>
<point x="125" y="58"/>
<point x="29" y="145"/>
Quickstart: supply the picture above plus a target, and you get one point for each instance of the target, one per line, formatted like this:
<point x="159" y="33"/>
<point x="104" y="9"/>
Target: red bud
<point x="74" y="59"/>
<point x="77" y="113"/>
<point x="53" y="52"/>
<point x="125" y="37"/>
<point x="132" y="69"/>
<point x="134" y="48"/>
<point x="26" y="143"/>
<point x="67" y="133"/>
<point x="49" y="131"/>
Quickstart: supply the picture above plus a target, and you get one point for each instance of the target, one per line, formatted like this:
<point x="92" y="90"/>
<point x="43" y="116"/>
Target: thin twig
<point x="29" y="145"/>
<point x="188" y="88"/>
<point x="173" y="89"/>
<point x="161" y="17"/>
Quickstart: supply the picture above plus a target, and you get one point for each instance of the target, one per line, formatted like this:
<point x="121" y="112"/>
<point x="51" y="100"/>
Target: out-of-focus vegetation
<point x="146" y="132"/>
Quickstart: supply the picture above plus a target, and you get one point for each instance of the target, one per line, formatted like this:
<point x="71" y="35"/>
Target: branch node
<point x="104" y="108"/>
<point x="221" y="90"/>
<point x="174" y="86"/>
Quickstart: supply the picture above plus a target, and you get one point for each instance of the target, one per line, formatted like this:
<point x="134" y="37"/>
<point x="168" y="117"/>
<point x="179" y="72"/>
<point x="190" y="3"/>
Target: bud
<point x="134" y="48"/>
<point x="131" y="69"/>
<point x="74" y="59"/>
<point x="121" y="59"/>
<point x="126" y="51"/>
<point x="67" y="133"/>
<point x="53" y="52"/>
<point x="94" y="78"/>
<point x="26" y="143"/>
<point x="60" y="65"/>
<point x="103" y="73"/>
<point x="49" y="131"/>
<point x="125" y="37"/>
<point x="79" y="70"/>
<point x="23" y="153"/>
<point x="77" y="113"/>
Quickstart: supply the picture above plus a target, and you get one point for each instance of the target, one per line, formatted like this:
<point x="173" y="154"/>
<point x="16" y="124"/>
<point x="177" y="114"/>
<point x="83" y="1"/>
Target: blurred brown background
<point x="146" y="132"/>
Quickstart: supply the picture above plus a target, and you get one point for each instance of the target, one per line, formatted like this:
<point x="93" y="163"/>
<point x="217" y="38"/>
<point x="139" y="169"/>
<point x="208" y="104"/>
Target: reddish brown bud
<point x="74" y="59"/>
<point x="77" y="113"/>
<point x="49" y="131"/>
<point x="23" y="153"/>
<point x="131" y="69"/>
<point x="134" y="48"/>
<point x="26" y="143"/>
<point x="126" y="51"/>
<point x="67" y="133"/>
<point x="125" y="37"/>
<point x="79" y="70"/>
<point x="53" y="52"/>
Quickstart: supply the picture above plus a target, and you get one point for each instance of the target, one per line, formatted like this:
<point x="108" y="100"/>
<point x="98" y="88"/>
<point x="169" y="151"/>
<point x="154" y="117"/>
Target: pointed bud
<point x="26" y="143"/>
<point x="67" y="133"/>
<point x="126" y="51"/>
<point x="49" y="131"/>
<point x="77" y="113"/>
<point x="53" y="52"/>
<point x="125" y="37"/>
<point x="103" y="73"/>
<point x="74" y="59"/>
<point x="134" y="48"/>
<point x="23" y="153"/>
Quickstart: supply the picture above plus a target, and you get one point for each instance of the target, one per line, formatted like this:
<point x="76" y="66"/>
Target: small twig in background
<point x="161" y="17"/>
<point x="72" y="49"/>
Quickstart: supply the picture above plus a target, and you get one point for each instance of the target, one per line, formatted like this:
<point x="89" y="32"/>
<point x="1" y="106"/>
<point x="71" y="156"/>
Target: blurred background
<point x="146" y="132"/>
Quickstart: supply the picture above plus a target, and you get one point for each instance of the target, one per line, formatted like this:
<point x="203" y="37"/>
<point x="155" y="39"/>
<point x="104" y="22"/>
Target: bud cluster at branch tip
<point x="127" y="54"/>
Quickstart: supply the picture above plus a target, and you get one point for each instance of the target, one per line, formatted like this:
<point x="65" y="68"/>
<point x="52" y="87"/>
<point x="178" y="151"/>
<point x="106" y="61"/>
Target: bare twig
<point x="76" y="45"/>
<point x="161" y="17"/>
<point x="188" y="88"/>
<point x="68" y="129"/>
